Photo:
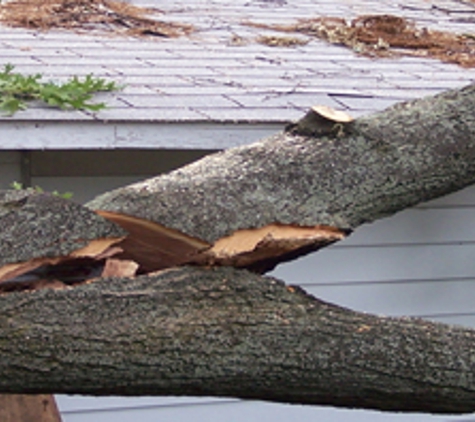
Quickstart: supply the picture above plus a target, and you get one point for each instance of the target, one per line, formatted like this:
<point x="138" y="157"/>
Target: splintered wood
<point x="263" y="247"/>
<point x="385" y="36"/>
<point x="49" y="242"/>
<point x="121" y="245"/>
<point x="154" y="246"/>
<point x="95" y="249"/>
<point x="150" y="247"/>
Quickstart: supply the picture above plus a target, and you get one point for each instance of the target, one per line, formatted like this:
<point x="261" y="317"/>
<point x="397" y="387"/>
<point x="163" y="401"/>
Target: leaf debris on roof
<point x="385" y="36"/>
<point x="275" y="41"/>
<point x="103" y="16"/>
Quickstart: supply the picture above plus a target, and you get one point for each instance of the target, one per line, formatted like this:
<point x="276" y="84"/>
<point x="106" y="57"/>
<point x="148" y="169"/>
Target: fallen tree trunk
<point x="319" y="179"/>
<point x="229" y="332"/>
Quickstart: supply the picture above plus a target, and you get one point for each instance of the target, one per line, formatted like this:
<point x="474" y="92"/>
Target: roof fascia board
<point x="34" y="135"/>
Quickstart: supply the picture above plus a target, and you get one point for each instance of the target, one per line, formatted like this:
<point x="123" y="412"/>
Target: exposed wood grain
<point x="28" y="408"/>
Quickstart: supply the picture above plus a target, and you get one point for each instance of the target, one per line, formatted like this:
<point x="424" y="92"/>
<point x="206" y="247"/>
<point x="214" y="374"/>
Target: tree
<point x="157" y="288"/>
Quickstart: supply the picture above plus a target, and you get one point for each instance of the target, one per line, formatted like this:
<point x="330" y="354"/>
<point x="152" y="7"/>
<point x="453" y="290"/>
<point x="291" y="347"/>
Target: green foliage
<point x="19" y="186"/>
<point x="16" y="186"/>
<point x="17" y="89"/>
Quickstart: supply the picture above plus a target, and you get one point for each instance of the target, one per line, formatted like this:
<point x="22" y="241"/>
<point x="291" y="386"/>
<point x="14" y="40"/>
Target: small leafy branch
<point x="19" y="186"/>
<point x="17" y="89"/>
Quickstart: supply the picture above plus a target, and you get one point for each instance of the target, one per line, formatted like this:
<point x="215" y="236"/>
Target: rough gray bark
<point x="36" y="225"/>
<point x="227" y="332"/>
<point x="373" y="167"/>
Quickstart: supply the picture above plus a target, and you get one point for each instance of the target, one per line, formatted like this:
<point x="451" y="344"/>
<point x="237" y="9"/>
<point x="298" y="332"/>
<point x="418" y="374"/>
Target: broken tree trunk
<point x="228" y="332"/>
<point x="29" y="243"/>
<point x="304" y="188"/>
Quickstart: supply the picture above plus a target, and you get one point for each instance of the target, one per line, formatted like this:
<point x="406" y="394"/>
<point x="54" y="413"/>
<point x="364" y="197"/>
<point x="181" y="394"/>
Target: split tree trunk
<point x="347" y="175"/>
<point x="208" y="329"/>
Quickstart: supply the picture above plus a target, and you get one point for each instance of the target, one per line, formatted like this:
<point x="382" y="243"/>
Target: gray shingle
<point x="205" y="77"/>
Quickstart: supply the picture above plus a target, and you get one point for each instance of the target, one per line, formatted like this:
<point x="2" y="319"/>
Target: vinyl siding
<point x="250" y="411"/>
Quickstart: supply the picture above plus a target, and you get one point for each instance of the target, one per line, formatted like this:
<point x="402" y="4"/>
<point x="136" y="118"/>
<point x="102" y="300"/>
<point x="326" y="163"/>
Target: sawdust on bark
<point x="385" y="36"/>
<point x="98" y="16"/>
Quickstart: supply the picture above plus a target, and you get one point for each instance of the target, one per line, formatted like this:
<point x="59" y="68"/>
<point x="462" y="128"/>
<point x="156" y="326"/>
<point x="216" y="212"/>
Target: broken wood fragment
<point x="28" y="408"/>
<point x="321" y="121"/>
<point x="262" y="249"/>
<point x="144" y="247"/>
<point x="152" y="245"/>
<point x="119" y="268"/>
<point x="156" y="247"/>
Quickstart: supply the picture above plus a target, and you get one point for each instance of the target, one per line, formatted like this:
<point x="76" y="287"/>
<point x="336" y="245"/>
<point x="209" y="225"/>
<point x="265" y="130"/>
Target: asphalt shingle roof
<point x="206" y="77"/>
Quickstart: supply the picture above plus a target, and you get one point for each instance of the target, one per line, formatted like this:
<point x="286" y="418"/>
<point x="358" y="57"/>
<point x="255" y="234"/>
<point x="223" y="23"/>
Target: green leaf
<point x="65" y="195"/>
<point x="17" y="89"/>
<point x="10" y="105"/>
<point x="17" y="186"/>
<point x="39" y="189"/>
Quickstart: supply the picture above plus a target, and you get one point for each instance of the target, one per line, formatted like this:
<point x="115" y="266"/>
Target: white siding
<point x="398" y="267"/>
<point x="247" y="412"/>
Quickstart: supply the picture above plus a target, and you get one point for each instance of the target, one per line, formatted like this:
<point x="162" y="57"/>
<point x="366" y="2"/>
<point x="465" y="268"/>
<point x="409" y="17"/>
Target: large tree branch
<point x="355" y="173"/>
<point x="224" y="331"/>
<point x="227" y="332"/>
<point x="316" y="174"/>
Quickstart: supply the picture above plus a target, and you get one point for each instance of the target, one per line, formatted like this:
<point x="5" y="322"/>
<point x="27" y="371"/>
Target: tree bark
<point x="209" y="329"/>
<point x="332" y="177"/>
<point x="356" y="173"/>
<point x="228" y="332"/>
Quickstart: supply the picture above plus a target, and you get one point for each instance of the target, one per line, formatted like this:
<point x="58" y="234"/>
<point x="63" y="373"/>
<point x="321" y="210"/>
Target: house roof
<point x="220" y="74"/>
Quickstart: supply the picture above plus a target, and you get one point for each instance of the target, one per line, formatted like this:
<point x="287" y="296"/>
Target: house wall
<point x="418" y="262"/>
<point x="10" y="168"/>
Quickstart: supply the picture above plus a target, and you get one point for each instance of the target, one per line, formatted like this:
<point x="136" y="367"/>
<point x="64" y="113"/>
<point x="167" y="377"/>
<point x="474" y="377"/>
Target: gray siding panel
<point x="417" y="226"/>
<point x="465" y="197"/>
<point x="429" y="300"/>
<point x="379" y="264"/>
<point x="85" y="404"/>
<point x="248" y="412"/>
